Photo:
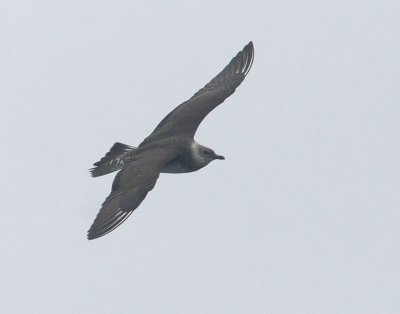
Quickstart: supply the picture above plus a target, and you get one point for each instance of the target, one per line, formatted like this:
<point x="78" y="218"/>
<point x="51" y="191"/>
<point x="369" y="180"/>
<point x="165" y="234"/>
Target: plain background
<point x="303" y="215"/>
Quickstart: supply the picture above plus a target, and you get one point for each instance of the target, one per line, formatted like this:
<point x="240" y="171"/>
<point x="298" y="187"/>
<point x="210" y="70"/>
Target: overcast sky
<point x="303" y="216"/>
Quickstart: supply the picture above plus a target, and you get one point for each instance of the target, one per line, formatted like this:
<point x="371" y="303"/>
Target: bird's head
<point x="203" y="155"/>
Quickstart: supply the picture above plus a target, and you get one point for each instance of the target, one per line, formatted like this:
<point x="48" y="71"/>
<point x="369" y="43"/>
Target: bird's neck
<point x="197" y="159"/>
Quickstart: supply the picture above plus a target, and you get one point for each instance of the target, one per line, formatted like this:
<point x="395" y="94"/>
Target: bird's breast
<point x="179" y="165"/>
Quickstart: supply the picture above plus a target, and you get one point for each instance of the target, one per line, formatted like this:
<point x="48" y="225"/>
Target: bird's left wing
<point x="185" y="119"/>
<point x="130" y="187"/>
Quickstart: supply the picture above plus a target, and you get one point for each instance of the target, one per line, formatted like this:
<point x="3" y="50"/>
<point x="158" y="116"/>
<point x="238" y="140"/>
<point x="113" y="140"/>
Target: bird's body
<point x="170" y="148"/>
<point x="189" y="159"/>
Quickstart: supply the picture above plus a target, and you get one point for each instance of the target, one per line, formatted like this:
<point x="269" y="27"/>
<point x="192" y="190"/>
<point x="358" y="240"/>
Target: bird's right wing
<point x="130" y="187"/>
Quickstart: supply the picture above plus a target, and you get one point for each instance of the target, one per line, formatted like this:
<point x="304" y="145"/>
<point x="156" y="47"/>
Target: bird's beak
<point x="219" y="157"/>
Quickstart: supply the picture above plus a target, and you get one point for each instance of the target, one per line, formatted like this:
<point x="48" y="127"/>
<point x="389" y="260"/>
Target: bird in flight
<point x="170" y="148"/>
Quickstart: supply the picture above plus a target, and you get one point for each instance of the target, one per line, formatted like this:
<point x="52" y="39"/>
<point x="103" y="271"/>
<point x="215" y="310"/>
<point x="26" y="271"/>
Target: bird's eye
<point x="206" y="152"/>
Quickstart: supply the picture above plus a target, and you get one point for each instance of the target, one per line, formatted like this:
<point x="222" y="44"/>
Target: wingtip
<point x="90" y="238"/>
<point x="250" y="45"/>
<point x="92" y="235"/>
<point x="248" y="54"/>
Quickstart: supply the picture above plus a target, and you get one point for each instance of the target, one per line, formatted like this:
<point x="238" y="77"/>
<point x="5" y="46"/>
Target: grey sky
<point x="302" y="216"/>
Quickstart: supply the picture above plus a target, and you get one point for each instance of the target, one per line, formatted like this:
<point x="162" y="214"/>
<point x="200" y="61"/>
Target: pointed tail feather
<point x="114" y="160"/>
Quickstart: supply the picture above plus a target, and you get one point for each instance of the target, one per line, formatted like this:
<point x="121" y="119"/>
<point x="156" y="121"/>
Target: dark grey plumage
<point x="170" y="148"/>
<point x="114" y="160"/>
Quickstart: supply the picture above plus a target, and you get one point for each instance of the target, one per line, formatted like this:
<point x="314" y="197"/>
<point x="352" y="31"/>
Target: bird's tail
<point x="114" y="160"/>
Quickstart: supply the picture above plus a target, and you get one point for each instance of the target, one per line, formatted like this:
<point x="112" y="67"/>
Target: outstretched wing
<point x="185" y="119"/>
<point x="130" y="187"/>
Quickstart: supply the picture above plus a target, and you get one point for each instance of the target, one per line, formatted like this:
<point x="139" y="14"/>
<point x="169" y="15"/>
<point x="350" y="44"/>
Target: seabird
<point x="170" y="148"/>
